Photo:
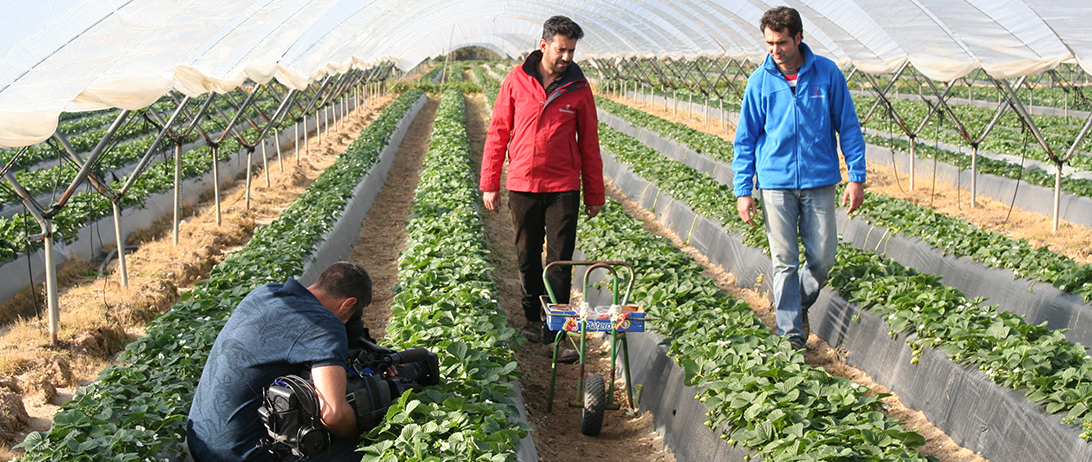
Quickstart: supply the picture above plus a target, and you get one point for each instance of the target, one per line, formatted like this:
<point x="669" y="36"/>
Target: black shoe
<point x="532" y="332"/>
<point x="565" y="356"/>
<point x="798" y="342"/>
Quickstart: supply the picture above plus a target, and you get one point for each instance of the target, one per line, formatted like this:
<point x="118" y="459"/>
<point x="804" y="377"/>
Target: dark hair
<point x="781" y="18"/>
<point x="561" y="25"/>
<point x="344" y="280"/>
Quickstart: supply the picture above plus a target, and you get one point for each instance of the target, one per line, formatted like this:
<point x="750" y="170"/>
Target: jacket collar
<point x="809" y="59"/>
<point x="530" y="67"/>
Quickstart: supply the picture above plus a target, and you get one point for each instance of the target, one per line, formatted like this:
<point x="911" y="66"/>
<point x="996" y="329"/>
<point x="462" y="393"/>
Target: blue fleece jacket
<point x="789" y="139"/>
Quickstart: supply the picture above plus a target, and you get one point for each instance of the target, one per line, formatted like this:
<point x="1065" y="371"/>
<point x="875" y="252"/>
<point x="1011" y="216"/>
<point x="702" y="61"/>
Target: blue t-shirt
<point x="276" y="330"/>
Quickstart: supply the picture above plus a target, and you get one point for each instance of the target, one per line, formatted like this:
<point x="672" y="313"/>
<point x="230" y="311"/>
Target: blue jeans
<point x="807" y="215"/>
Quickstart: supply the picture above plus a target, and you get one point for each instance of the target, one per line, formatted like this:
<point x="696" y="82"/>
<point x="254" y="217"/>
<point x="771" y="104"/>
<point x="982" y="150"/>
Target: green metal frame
<point x="617" y="339"/>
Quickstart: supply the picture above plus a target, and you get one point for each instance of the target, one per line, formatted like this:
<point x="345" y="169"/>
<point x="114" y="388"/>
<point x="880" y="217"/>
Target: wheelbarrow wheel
<point x="595" y="401"/>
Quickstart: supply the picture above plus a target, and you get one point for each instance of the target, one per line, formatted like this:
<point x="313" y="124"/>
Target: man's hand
<point x="592" y="210"/>
<point x="745" y="205"/>
<point x="337" y="414"/>
<point x="492" y="200"/>
<point x="854" y="196"/>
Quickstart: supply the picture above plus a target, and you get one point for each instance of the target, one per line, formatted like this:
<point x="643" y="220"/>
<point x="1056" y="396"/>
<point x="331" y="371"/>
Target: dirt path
<point x="98" y="316"/>
<point x="384" y="232"/>
<point x="557" y="435"/>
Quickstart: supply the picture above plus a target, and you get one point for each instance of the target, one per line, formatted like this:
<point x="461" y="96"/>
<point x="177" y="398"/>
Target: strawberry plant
<point x="949" y="234"/>
<point x="759" y="392"/>
<point x="1008" y="350"/>
<point x="87" y="206"/>
<point x="136" y="409"/>
<point x="699" y="141"/>
<point x="445" y="300"/>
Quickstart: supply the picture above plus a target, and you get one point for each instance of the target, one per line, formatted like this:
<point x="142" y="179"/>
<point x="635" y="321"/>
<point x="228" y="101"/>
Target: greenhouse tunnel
<point x="237" y="76"/>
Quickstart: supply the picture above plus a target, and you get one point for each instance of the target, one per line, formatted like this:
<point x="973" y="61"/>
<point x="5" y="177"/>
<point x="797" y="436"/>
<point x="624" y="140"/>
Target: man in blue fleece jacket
<point x="796" y="111"/>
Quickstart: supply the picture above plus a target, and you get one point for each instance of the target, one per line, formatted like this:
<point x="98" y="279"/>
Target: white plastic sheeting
<point x="71" y="55"/>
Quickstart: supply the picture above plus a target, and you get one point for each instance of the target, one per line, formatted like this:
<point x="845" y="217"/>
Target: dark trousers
<point x="551" y="217"/>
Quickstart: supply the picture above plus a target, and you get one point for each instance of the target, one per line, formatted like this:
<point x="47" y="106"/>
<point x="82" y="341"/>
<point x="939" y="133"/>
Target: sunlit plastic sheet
<point x="68" y="55"/>
<point x="977" y="414"/>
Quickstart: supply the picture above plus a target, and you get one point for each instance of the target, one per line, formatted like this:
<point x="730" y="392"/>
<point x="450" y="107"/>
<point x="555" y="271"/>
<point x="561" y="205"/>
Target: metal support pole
<point x="249" y="163"/>
<point x="51" y="282"/>
<point x="121" y="244"/>
<point x="177" y="187"/>
<point x="216" y="179"/>
<point x="85" y="170"/>
<point x="277" y="139"/>
<point x="265" y="164"/>
<point x="1057" y="195"/>
<point x="913" y="158"/>
<point x="974" y="175"/>
<point x="50" y="260"/>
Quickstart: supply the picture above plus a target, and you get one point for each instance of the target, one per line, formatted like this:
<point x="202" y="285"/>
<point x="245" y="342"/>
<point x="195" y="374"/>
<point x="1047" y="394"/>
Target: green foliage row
<point x="961" y="238"/>
<point x="759" y="393"/>
<point x="1008" y="136"/>
<point x="1012" y="353"/>
<point x="1013" y="143"/>
<point x="87" y="206"/>
<point x="446" y="301"/>
<point x="1008" y="350"/>
<point x="950" y="234"/>
<point x="701" y="142"/>
<point x="136" y="410"/>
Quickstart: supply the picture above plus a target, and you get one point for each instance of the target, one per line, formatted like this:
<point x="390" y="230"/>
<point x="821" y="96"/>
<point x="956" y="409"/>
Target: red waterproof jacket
<point x="552" y="143"/>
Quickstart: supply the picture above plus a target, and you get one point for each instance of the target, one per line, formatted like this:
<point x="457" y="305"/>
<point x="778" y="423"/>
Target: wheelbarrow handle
<point x="592" y="266"/>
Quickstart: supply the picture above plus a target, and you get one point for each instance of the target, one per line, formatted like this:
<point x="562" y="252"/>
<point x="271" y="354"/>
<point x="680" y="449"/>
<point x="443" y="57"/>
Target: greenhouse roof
<point x="72" y="55"/>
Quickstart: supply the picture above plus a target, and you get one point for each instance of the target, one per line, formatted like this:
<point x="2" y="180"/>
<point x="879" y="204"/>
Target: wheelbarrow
<point x="618" y="318"/>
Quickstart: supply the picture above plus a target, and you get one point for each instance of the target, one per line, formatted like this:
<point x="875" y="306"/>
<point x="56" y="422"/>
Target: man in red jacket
<point x="544" y="119"/>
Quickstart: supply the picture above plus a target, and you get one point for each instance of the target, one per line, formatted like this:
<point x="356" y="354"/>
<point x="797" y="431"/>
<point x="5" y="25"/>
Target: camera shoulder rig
<point x="291" y="413"/>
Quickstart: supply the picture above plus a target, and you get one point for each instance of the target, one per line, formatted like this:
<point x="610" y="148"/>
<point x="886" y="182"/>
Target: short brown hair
<point x="781" y="18"/>
<point x="345" y="280"/>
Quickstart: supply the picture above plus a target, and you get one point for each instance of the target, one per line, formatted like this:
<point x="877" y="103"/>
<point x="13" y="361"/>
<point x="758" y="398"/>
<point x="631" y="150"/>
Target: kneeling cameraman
<point x="280" y="330"/>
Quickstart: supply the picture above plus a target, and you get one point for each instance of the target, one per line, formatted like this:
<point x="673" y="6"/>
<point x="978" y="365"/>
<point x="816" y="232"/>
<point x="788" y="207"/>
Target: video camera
<point x="290" y="407"/>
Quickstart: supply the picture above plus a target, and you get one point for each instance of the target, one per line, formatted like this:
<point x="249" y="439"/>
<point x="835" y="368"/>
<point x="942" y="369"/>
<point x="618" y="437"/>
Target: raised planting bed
<point x="136" y="409"/>
<point x="1035" y="283"/>
<point x="446" y="301"/>
<point x="1007" y="430"/>
<point x="710" y="362"/>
